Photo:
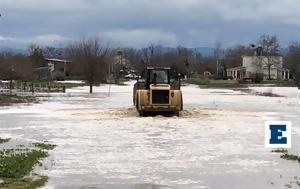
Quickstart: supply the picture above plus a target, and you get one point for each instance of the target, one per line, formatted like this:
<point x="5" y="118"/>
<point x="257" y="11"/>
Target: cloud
<point x="139" y="37"/>
<point x="50" y="39"/>
<point x="260" y="10"/>
<point x="137" y="22"/>
<point x="47" y="39"/>
<point x="282" y="10"/>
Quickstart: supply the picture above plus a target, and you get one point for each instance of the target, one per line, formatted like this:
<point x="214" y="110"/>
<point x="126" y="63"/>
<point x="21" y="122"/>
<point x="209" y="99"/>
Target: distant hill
<point x="205" y="51"/>
<point x="284" y="51"/>
<point x="13" y="50"/>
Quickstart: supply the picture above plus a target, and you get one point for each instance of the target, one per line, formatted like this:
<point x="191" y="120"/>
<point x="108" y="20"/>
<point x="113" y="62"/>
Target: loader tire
<point x="141" y="113"/>
<point x="181" y="106"/>
<point x="137" y="102"/>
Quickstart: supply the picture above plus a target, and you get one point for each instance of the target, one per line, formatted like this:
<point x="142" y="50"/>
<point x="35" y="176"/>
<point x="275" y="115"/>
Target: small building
<point x="207" y="75"/>
<point x="259" y="66"/>
<point x="43" y="73"/>
<point x="1" y="84"/>
<point x="57" y="68"/>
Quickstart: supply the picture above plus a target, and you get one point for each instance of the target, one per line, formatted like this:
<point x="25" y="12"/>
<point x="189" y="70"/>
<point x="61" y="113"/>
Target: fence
<point x="33" y="87"/>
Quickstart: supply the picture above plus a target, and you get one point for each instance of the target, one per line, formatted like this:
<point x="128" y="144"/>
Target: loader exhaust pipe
<point x="179" y="80"/>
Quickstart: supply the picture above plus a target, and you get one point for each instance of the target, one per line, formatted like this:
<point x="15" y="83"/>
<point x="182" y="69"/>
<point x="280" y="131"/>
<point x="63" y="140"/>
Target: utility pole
<point x="217" y="67"/>
<point x="151" y="48"/>
<point x="187" y="64"/>
<point x="298" y="71"/>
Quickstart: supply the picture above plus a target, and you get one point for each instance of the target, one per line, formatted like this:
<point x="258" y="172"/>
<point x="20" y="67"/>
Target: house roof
<point x="55" y="60"/>
<point x="43" y="68"/>
<point x="152" y="68"/>
<point x="236" y="68"/>
<point x="260" y="56"/>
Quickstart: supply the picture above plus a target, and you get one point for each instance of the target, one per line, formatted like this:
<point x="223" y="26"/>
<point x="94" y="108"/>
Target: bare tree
<point x="90" y="57"/>
<point x="293" y="60"/>
<point x="15" y="67"/>
<point x="36" y="56"/>
<point x="52" y="52"/>
<point x="184" y="58"/>
<point x="180" y="59"/>
<point x="135" y="59"/>
<point x="148" y="54"/>
<point x="271" y="50"/>
<point x="234" y="55"/>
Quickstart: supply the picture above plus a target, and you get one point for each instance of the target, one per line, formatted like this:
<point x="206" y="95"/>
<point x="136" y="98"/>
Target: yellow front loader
<point x="157" y="93"/>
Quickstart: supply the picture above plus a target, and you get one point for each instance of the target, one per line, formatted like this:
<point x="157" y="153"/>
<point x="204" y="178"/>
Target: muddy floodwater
<point x="217" y="142"/>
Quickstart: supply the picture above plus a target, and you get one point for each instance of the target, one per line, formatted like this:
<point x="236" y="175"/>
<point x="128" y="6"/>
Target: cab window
<point x="159" y="76"/>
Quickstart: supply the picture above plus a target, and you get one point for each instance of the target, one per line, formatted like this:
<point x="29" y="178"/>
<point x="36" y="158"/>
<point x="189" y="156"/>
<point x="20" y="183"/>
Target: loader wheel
<point x="142" y="113"/>
<point x="181" y="107"/>
<point x="137" y="103"/>
<point x="133" y="100"/>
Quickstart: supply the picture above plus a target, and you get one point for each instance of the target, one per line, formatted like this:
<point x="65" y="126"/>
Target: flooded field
<point x="217" y="142"/>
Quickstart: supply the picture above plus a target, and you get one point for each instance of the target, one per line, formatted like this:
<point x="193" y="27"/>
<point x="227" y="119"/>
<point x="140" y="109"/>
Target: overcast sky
<point x="137" y="23"/>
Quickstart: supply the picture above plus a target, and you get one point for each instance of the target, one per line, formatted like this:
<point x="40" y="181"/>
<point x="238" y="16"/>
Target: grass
<point x="280" y="83"/>
<point x="209" y="83"/>
<point x="4" y="140"/>
<point x="269" y="94"/>
<point x="196" y="81"/>
<point x="280" y="150"/>
<point x="285" y="155"/>
<point x="26" y="182"/>
<point x="6" y="99"/>
<point x="44" y="86"/>
<point x="67" y="85"/>
<point x="288" y="185"/>
<point x="120" y="83"/>
<point x="54" y="84"/>
<point x="292" y="157"/>
<point x="206" y="83"/>
<point x="44" y="146"/>
<point x="17" y="164"/>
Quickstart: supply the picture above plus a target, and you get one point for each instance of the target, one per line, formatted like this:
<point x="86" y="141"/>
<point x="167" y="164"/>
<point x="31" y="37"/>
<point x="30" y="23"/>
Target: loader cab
<point x="157" y="76"/>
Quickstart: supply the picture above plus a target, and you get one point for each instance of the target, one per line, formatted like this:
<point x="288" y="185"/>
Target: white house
<point x="254" y="66"/>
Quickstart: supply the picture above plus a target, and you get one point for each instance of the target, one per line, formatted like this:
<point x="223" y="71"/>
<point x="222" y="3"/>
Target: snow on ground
<point x="218" y="142"/>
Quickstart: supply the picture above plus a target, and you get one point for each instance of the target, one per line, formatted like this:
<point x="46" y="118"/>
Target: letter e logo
<point x="278" y="134"/>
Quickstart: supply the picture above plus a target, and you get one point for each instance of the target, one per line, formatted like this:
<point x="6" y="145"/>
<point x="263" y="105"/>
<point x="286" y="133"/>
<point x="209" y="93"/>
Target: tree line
<point x="94" y="61"/>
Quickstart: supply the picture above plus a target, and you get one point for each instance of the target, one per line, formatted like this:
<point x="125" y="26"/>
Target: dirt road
<point x="218" y="142"/>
